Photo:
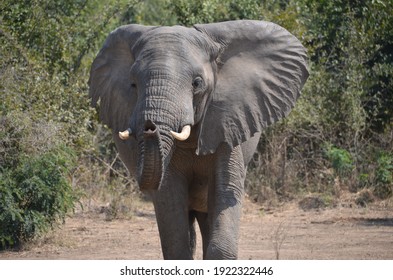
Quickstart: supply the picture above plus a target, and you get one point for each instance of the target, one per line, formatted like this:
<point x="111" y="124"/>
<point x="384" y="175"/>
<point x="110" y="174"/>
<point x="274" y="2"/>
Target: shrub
<point x="384" y="176"/>
<point x="35" y="192"/>
<point x="34" y="196"/>
<point x="341" y="160"/>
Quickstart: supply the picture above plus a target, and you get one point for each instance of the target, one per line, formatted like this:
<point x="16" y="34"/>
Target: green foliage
<point x="384" y="176"/>
<point x="34" y="196"/>
<point x="44" y="46"/>
<point x="151" y="12"/>
<point x="35" y="191"/>
<point x="385" y="169"/>
<point x="191" y="12"/>
<point x="58" y="33"/>
<point x="340" y="159"/>
<point x="351" y="43"/>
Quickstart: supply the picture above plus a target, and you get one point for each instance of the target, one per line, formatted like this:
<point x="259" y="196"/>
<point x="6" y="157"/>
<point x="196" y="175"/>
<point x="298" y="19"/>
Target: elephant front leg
<point x="177" y="235"/>
<point x="225" y="201"/>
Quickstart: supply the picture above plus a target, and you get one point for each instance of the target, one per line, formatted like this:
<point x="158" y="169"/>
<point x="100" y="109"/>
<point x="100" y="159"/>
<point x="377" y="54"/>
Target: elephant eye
<point x="197" y="83"/>
<point x="133" y="85"/>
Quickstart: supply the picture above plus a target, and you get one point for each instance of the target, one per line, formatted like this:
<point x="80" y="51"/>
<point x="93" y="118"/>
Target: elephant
<point x="186" y="106"/>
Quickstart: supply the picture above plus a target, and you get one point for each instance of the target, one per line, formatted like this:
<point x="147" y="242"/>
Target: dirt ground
<point x="285" y="232"/>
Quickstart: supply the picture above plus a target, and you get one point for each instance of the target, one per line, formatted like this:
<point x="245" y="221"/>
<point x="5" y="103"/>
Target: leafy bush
<point x="340" y="159"/>
<point x="35" y="196"/>
<point x="384" y="176"/>
<point x="35" y="190"/>
<point x="385" y="168"/>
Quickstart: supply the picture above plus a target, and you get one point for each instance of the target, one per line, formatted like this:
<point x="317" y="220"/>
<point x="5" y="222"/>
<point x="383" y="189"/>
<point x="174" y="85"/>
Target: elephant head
<point x="201" y="87"/>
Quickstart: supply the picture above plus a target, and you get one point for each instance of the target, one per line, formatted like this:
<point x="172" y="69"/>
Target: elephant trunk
<point x="151" y="158"/>
<point x="157" y="120"/>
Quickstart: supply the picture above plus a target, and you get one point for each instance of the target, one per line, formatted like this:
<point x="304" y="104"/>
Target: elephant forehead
<point x="176" y="40"/>
<point x="155" y="40"/>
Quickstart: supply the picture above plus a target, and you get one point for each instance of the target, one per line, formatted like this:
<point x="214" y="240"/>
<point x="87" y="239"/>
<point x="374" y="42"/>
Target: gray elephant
<point x="190" y="104"/>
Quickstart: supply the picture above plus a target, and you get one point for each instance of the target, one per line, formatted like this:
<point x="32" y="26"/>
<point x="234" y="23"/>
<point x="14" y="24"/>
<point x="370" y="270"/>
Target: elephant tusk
<point x="124" y="135"/>
<point x="183" y="135"/>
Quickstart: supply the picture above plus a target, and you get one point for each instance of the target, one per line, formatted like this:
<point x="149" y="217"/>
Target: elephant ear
<point x="262" y="68"/>
<point x="110" y="77"/>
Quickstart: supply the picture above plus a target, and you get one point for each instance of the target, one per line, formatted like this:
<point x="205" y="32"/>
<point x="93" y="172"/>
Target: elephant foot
<point x="220" y="252"/>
